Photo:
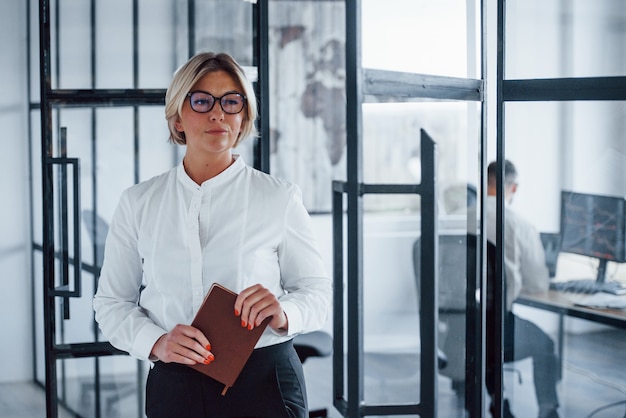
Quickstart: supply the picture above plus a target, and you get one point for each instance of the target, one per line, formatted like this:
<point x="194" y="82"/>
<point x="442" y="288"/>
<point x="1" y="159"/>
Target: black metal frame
<point x="55" y="99"/>
<point x="361" y="82"/>
<point x="51" y="99"/>
<point x="535" y="90"/>
<point x="261" y="61"/>
<point x="353" y="405"/>
<point x="497" y="322"/>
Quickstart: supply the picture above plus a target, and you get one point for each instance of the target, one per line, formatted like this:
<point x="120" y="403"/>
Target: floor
<point x="24" y="400"/>
<point x="593" y="381"/>
<point x="594" y="377"/>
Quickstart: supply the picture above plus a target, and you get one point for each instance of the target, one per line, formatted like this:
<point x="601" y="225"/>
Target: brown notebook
<point x="231" y="344"/>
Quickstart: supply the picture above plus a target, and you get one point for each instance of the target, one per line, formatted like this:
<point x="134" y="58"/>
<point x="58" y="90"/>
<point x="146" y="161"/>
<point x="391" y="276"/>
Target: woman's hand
<point x="256" y="303"/>
<point x="183" y="344"/>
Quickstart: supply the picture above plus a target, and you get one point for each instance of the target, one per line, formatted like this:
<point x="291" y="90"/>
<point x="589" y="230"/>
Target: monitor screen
<point x="593" y="225"/>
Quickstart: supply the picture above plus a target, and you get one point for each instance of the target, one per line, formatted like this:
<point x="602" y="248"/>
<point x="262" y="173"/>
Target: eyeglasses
<point x="203" y="102"/>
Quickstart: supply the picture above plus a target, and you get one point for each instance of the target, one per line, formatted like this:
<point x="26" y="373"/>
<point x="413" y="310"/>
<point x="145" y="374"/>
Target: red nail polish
<point x="208" y="347"/>
<point x="236" y="312"/>
<point x="207" y="361"/>
<point x="250" y="327"/>
<point x="243" y="323"/>
<point x="210" y="357"/>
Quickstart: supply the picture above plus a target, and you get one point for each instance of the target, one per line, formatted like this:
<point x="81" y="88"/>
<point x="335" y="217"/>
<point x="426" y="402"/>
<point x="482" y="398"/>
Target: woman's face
<point x="215" y="132"/>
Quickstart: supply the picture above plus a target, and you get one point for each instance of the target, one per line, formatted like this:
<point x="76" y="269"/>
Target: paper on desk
<point x="603" y="300"/>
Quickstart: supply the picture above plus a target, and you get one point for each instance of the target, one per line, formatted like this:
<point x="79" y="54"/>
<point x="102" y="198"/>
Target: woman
<point x="212" y="219"/>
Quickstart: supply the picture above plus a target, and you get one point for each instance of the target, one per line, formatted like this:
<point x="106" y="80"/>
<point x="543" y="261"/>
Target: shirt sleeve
<point x="526" y="270"/>
<point x="116" y="302"/>
<point x="307" y="301"/>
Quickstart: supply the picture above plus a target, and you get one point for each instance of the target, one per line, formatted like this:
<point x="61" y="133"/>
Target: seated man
<point x="525" y="270"/>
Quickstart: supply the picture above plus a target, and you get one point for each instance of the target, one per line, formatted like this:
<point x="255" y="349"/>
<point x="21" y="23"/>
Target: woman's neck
<point x="203" y="169"/>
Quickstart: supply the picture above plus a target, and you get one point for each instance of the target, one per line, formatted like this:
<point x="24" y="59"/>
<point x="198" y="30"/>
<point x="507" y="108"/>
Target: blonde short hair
<point x="188" y="75"/>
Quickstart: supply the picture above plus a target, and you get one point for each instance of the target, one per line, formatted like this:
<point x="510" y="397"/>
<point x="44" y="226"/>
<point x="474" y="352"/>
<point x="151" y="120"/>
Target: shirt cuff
<point x="294" y="318"/>
<point x="146" y="338"/>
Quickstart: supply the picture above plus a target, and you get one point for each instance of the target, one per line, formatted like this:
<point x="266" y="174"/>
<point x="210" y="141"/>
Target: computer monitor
<point x="593" y="226"/>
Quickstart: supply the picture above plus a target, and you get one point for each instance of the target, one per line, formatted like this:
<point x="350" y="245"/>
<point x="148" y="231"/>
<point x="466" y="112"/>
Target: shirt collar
<point x="222" y="177"/>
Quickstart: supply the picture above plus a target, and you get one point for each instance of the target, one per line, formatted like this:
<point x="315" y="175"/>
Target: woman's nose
<point x="217" y="113"/>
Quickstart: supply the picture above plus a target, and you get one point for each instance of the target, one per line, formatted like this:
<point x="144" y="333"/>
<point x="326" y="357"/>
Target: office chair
<point x="456" y="253"/>
<point x="452" y="285"/>
<point x="314" y="344"/>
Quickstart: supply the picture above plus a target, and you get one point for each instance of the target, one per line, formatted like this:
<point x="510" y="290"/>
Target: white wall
<point x="15" y="285"/>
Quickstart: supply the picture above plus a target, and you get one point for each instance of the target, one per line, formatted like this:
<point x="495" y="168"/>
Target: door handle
<point x="65" y="290"/>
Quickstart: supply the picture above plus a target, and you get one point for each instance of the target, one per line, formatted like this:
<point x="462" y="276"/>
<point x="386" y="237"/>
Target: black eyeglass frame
<point x="216" y="100"/>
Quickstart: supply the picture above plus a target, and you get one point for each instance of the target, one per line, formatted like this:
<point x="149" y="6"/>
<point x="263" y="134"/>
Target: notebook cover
<point x="231" y="344"/>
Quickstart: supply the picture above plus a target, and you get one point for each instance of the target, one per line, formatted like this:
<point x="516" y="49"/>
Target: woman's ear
<point x="178" y="125"/>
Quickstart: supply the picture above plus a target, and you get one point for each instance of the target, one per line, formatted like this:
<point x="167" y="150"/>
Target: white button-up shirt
<point x="176" y="238"/>
<point x="524" y="257"/>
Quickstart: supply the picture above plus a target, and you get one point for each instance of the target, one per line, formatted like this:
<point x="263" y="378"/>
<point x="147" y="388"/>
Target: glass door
<point x="98" y="128"/>
<point x="405" y="219"/>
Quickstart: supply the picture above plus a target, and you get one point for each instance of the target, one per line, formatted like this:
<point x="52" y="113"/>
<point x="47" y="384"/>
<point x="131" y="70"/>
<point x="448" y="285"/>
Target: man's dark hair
<point x="510" y="172"/>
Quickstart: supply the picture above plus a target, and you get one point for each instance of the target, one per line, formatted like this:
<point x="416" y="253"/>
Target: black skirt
<point x="271" y="385"/>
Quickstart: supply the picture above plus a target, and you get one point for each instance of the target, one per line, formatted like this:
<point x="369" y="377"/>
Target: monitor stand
<point x="601" y="277"/>
<point x="611" y="286"/>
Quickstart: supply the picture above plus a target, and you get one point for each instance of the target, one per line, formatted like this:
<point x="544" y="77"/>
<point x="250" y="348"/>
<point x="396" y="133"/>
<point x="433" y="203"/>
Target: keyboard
<point x="589" y="286"/>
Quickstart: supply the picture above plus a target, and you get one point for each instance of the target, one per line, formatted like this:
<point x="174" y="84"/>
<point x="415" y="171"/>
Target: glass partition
<point x="553" y="39"/>
<point x="391" y="336"/>
<point x="433" y="37"/>
<point x="577" y="147"/>
<point x="559" y="148"/>
<point x="119" y="381"/>
<point x="109" y="62"/>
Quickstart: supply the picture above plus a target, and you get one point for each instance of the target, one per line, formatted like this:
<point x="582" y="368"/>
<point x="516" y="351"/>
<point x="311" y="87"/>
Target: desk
<point x="564" y="304"/>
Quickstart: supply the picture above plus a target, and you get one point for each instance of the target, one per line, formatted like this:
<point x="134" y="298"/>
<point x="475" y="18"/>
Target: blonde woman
<point x="212" y="219"/>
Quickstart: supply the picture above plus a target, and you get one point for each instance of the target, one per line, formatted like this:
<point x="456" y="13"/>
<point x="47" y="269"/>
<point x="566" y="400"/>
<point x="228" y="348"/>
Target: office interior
<point x="571" y="140"/>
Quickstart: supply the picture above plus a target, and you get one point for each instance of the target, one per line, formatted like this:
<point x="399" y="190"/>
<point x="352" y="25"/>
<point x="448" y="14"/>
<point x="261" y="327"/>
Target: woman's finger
<point x="257" y="303"/>
<point x="183" y="344"/>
